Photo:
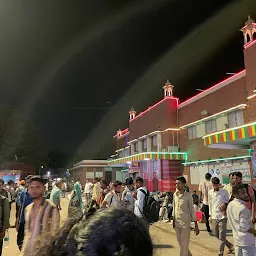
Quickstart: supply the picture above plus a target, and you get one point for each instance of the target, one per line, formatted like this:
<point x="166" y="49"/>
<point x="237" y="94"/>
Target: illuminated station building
<point x="214" y="131"/>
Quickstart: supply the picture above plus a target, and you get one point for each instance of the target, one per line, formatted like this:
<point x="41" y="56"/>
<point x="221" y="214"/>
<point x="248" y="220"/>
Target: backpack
<point x="246" y="186"/>
<point x="151" y="207"/>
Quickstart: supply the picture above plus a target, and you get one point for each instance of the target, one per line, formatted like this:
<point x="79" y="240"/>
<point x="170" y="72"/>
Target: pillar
<point x="140" y="146"/>
<point x="149" y="144"/>
<point x="159" y="142"/>
<point x="132" y="148"/>
<point x="150" y="175"/>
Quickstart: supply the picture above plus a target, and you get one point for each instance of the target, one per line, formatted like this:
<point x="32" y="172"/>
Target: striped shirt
<point x="47" y="219"/>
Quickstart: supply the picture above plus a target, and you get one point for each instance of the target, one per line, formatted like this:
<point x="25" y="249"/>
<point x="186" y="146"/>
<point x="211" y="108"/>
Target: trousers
<point x="183" y="237"/>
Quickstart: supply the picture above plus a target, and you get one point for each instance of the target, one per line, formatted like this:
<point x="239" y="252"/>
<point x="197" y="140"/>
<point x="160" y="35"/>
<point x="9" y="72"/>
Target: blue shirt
<point x="25" y="200"/>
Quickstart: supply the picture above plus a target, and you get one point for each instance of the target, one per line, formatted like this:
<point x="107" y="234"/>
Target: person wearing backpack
<point x="140" y="200"/>
<point x="127" y="195"/>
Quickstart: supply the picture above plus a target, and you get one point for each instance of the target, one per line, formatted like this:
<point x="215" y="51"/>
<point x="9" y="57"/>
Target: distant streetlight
<point x="48" y="173"/>
<point x="231" y="74"/>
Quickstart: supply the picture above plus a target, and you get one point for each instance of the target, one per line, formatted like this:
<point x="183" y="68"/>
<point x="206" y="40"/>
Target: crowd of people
<point x="110" y="212"/>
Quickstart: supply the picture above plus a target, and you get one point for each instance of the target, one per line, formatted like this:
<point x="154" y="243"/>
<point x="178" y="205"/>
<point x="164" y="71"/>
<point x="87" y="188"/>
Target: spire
<point x="248" y="30"/>
<point x="132" y="113"/>
<point x="168" y="89"/>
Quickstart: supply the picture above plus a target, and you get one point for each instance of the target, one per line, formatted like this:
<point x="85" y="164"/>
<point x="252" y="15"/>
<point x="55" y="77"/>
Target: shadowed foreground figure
<point x="109" y="232"/>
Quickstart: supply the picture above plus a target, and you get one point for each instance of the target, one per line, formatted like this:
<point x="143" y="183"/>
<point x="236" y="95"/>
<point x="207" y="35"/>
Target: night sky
<point x="76" y="67"/>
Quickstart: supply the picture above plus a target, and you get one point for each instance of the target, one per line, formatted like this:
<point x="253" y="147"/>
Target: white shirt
<point x="88" y="187"/>
<point x="215" y="200"/>
<point x="112" y="199"/>
<point x="139" y="202"/>
<point x="239" y="219"/>
<point x="204" y="188"/>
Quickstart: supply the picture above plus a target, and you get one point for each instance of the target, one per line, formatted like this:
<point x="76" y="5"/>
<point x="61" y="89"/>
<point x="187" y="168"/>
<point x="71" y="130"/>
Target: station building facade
<point x="214" y="131"/>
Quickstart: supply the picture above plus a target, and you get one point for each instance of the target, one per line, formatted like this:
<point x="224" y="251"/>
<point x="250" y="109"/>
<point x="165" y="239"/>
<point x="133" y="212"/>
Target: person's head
<point x="181" y="183"/>
<point x="208" y="176"/>
<point x="231" y="178"/>
<point x="194" y="192"/>
<point x="238" y="176"/>
<point x="36" y="187"/>
<point x="103" y="184"/>
<point x="1" y="184"/>
<point x="58" y="184"/>
<point x="240" y="192"/>
<point x="87" y="181"/>
<point x="106" y="233"/>
<point x="139" y="182"/>
<point x="10" y="183"/>
<point x="129" y="183"/>
<point x="28" y="178"/>
<point x="95" y="180"/>
<point x="117" y="185"/>
<point x="22" y="183"/>
<point x="216" y="183"/>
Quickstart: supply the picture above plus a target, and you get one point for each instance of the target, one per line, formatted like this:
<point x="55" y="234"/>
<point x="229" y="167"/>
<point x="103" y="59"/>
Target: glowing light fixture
<point x="252" y="96"/>
<point x="241" y="106"/>
<point x="230" y="129"/>
<point x="218" y="160"/>
<point x="213" y="88"/>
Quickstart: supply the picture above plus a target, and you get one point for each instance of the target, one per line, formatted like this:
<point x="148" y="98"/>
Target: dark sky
<point x="69" y="64"/>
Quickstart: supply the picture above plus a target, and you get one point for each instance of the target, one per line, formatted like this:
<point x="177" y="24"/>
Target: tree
<point x="19" y="140"/>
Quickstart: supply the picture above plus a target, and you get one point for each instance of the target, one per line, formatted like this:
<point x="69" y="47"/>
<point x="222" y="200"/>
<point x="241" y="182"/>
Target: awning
<point x="239" y="134"/>
<point x="150" y="156"/>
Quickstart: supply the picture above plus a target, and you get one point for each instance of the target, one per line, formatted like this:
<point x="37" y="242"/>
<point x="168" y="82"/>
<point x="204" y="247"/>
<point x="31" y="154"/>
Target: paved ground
<point x="162" y="234"/>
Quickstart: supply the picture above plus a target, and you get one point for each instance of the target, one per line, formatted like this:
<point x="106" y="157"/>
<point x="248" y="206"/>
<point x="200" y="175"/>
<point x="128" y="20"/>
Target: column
<point x="149" y="144"/>
<point x="159" y="142"/>
<point x="140" y="146"/>
<point x="132" y="148"/>
<point x="150" y="175"/>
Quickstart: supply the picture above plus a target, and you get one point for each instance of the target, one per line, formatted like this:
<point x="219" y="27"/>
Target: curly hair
<point x="109" y="232"/>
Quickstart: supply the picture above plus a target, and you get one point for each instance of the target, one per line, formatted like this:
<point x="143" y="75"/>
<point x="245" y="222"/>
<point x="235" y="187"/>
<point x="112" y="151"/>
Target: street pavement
<point x="163" y="236"/>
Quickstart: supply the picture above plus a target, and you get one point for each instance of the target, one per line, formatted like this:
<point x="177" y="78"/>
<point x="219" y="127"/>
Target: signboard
<point x="99" y="174"/>
<point x="89" y="175"/>
<point x="134" y="167"/>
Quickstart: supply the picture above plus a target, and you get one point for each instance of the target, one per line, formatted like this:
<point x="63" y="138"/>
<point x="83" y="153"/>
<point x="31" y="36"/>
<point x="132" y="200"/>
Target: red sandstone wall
<point x="161" y="117"/>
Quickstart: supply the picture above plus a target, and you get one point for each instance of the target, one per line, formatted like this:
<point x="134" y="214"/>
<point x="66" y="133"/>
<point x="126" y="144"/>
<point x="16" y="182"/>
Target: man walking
<point x="41" y="216"/>
<point x="25" y="200"/>
<point x="55" y="195"/>
<point x="238" y="179"/>
<point x="139" y="196"/>
<point x="4" y="219"/>
<point x="204" y="188"/>
<point x="183" y="215"/>
<point x="229" y="186"/>
<point x="88" y="192"/>
<point x="218" y="197"/>
<point x="239" y="218"/>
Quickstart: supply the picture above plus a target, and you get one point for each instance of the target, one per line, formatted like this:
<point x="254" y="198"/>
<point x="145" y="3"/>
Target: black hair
<point x="182" y="179"/>
<point x="104" y="182"/>
<point x="129" y="181"/>
<point x="37" y="178"/>
<point x="1" y="181"/>
<point x="117" y="183"/>
<point x="215" y="180"/>
<point x="28" y="177"/>
<point x="106" y="233"/>
<point x="10" y="182"/>
<point x="231" y="174"/>
<point x="139" y="179"/>
<point x="238" y="174"/>
<point x="236" y="188"/>
<point x="208" y="176"/>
